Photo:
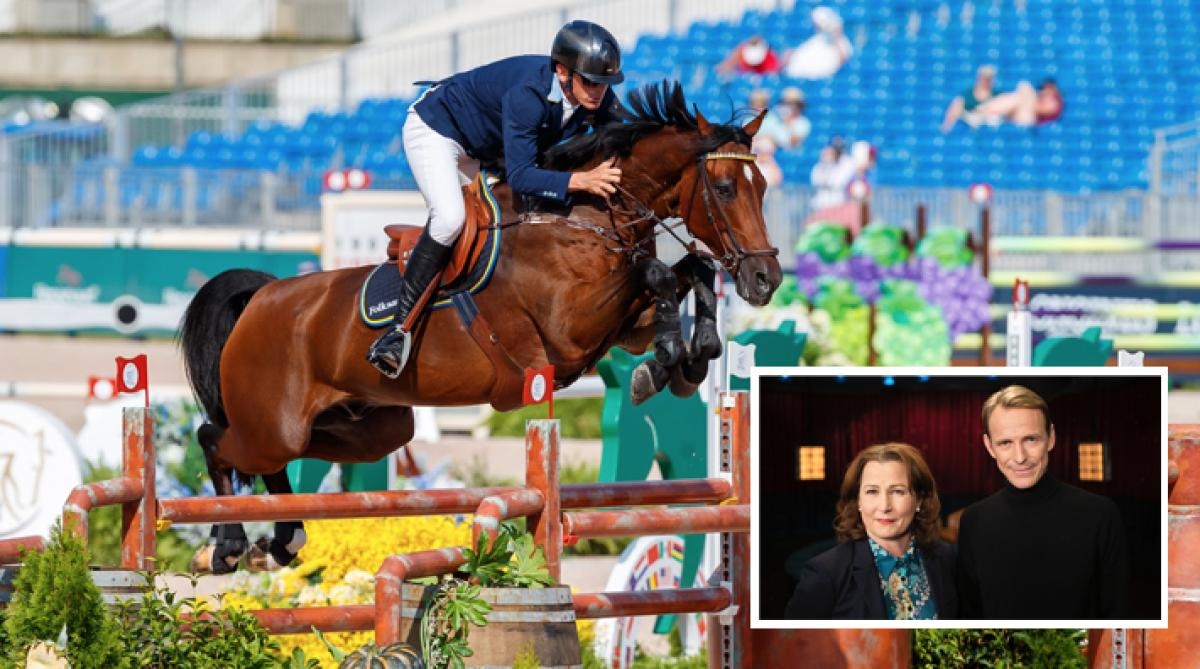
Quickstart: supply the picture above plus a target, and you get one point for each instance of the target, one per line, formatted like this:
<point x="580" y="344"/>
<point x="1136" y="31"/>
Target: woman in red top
<point x="754" y="56"/>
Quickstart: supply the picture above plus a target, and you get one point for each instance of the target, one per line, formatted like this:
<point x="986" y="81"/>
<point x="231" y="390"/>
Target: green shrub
<point x="164" y="631"/>
<point x="580" y="418"/>
<point x="1002" y="648"/>
<point x="54" y="588"/>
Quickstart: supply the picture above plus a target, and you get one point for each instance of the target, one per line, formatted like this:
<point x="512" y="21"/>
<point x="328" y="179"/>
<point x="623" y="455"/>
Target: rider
<point x="509" y="111"/>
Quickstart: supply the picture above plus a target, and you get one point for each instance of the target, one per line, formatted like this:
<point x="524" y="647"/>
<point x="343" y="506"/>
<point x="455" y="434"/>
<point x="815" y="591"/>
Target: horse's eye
<point x="724" y="189"/>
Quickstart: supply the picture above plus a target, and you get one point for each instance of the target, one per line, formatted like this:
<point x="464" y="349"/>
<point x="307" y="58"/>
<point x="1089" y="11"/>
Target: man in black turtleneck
<point x="1038" y="549"/>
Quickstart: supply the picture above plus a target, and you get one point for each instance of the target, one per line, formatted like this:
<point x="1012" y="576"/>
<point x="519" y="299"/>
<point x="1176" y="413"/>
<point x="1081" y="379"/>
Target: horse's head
<point x="721" y="198"/>
<point x="676" y="163"/>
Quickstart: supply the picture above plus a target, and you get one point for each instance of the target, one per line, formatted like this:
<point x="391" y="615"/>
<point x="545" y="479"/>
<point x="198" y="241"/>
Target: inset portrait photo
<point x="971" y="497"/>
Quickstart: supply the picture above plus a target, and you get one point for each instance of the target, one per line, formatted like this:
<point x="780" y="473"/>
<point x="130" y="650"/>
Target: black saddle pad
<point x="377" y="299"/>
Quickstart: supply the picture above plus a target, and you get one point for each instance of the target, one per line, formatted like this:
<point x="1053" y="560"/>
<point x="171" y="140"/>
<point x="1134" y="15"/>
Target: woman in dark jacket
<point x="890" y="563"/>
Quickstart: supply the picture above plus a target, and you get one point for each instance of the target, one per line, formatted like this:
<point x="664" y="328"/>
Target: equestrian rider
<point x="509" y="111"/>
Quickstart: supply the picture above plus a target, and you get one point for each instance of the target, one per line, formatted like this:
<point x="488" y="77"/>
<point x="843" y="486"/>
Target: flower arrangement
<point x="337" y="567"/>
<point x="924" y="299"/>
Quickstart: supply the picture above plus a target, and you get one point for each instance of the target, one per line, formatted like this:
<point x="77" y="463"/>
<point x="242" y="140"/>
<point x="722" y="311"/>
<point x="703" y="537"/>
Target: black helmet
<point x="592" y="51"/>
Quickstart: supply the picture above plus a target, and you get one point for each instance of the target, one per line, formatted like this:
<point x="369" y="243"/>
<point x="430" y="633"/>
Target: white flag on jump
<point x="741" y="359"/>
<point x="1127" y="359"/>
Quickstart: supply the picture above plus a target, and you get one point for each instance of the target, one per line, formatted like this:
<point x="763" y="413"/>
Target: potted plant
<point x="500" y="605"/>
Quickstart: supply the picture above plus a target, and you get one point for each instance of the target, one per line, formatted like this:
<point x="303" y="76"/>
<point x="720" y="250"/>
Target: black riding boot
<point x="389" y="353"/>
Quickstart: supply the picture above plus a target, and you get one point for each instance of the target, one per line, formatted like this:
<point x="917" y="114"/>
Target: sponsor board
<point x="129" y="290"/>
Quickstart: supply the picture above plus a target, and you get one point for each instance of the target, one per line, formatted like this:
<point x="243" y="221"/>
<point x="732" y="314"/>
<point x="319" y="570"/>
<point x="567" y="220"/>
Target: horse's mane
<point x="653" y="107"/>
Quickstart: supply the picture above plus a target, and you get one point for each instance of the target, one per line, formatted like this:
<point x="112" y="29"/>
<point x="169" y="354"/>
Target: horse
<point x="279" y="366"/>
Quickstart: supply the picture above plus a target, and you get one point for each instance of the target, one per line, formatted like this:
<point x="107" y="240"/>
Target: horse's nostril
<point x="764" y="281"/>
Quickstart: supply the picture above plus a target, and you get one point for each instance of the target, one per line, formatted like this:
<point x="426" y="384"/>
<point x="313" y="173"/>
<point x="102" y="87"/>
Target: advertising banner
<point x="129" y="290"/>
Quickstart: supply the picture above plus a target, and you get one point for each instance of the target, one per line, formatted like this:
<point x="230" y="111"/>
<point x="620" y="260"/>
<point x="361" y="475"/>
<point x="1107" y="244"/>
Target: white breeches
<point x="441" y="167"/>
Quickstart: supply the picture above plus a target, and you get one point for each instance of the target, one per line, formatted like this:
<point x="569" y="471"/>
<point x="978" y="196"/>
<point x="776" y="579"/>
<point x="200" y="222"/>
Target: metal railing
<point x="80" y="175"/>
<point x="1175" y="159"/>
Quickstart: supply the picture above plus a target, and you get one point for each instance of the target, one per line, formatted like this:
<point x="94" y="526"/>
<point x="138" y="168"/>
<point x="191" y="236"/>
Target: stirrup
<point x="390" y="356"/>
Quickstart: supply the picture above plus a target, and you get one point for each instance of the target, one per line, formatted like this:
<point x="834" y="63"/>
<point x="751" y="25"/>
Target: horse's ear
<point x="752" y="127"/>
<point x="702" y="123"/>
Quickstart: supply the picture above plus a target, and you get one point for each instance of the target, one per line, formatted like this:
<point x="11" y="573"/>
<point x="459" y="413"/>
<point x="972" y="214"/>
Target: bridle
<point x="734" y="254"/>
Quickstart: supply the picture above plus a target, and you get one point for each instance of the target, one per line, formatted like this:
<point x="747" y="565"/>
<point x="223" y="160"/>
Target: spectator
<point x="764" y="149"/>
<point x="1026" y="106"/>
<point x="753" y="56"/>
<point x="765" y="143"/>
<point x="965" y="106"/>
<point x="786" y="124"/>
<point x="832" y="179"/>
<point x="830" y="176"/>
<point x="823" y="54"/>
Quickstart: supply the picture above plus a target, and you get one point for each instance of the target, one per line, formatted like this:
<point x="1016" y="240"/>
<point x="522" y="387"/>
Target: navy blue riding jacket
<point x="511" y="111"/>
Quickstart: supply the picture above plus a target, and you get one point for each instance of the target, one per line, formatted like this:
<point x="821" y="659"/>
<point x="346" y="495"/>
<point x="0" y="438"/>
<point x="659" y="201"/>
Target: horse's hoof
<point x="641" y="384"/>
<point x="647" y="380"/>
<point x="202" y="560"/>
<point x="696" y="371"/>
<point x="680" y="385"/>
<point x="205" y="561"/>
<point x="266" y="555"/>
<point x="669" y="351"/>
<point x="259" y="557"/>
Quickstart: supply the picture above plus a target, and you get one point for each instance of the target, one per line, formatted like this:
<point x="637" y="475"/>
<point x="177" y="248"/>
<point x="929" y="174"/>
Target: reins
<point x="640" y="213"/>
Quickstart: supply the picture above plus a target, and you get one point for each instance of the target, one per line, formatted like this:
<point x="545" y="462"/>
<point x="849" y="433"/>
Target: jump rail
<point x="541" y="500"/>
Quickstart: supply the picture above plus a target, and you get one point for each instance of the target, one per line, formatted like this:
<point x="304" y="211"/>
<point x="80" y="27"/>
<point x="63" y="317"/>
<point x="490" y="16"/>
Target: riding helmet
<point x="590" y="50"/>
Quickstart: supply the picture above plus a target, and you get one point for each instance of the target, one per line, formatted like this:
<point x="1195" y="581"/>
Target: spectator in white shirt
<point x="823" y="54"/>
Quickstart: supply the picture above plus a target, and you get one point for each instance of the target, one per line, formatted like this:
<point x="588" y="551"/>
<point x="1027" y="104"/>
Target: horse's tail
<point x="205" y="328"/>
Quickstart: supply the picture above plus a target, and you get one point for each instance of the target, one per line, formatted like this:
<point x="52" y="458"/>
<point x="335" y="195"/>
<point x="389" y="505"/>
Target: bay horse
<point x="279" y="366"/>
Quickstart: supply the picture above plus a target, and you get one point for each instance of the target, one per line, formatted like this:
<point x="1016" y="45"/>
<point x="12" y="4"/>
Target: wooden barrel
<point x="116" y="584"/>
<point x="521" y="618"/>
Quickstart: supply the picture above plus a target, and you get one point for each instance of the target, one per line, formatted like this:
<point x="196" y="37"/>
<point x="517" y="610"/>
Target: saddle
<point x="465" y="268"/>
<point x="481" y="212"/>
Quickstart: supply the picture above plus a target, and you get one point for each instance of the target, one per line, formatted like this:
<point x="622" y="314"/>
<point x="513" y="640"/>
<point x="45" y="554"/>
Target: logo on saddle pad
<point x="377" y="300"/>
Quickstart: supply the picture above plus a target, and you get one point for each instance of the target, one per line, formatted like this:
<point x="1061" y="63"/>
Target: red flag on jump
<point x="131" y="376"/>
<point x="101" y="388"/>
<point x="539" y="387"/>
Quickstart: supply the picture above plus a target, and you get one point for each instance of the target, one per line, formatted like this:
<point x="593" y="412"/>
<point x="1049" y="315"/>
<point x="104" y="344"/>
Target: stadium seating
<point x="1126" y="67"/>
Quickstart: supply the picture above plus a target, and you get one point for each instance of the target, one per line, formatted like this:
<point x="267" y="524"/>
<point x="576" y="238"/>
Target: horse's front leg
<point x="227" y="541"/>
<point x="289" y="536"/>
<point x="669" y="349"/>
<point x="705" y="346"/>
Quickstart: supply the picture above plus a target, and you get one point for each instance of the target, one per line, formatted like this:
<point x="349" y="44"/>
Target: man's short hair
<point x="1015" y="397"/>
<point x="847" y="522"/>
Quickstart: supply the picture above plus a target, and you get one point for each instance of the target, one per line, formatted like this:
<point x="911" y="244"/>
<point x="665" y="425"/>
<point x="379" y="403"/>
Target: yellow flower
<point x="337" y="566"/>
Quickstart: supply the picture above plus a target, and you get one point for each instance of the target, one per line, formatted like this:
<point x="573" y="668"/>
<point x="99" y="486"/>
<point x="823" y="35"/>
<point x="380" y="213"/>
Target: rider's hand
<point x="601" y="180"/>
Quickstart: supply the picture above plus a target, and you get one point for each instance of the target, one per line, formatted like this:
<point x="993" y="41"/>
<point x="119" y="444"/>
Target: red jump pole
<point x="645" y="493"/>
<point x="653" y="602"/>
<point x="89" y="496"/>
<point x="541" y="475"/>
<point x="353" y="618"/>
<point x="639" y="522"/>
<point x="498" y="508"/>
<point x="389" y="586"/>
<point x="729" y="641"/>
<point x="139" y="518"/>
<point x="325" y="506"/>
<point x="12" y="547"/>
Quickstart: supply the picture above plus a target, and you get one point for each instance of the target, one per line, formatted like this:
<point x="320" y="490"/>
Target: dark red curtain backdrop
<point x="942" y="418"/>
